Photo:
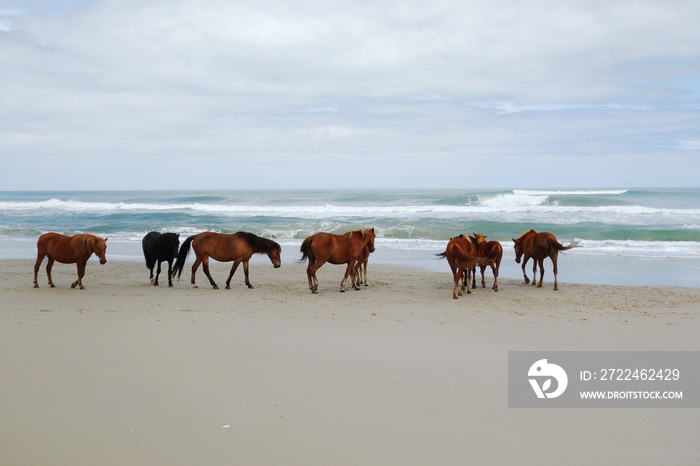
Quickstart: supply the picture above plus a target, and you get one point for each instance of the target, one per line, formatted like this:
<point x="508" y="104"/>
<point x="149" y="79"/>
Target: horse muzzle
<point x="103" y="261"/>
<point x="277" y="265"/>
<point x="517" y="260"/>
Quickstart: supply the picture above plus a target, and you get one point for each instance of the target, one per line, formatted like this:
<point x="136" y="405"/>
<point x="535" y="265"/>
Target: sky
<point x="221" y="94"/>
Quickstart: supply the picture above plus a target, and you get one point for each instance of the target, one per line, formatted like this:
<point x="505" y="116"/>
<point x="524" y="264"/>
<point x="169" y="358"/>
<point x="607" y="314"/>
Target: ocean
<point x="627" y="236"/>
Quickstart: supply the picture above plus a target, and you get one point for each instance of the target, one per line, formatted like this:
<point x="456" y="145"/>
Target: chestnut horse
<point x="539" y="246"/>
<point x="159" y="247"/>
<point x="335" y="249"/>
<point x="75" y="249"/>
<point x="461" y="255"/>
<point x="491" y="250"/>
<point x="238" y="247"/>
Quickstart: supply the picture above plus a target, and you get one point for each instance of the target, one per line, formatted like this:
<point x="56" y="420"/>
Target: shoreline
<point x="574" y="267"/>
<point x="397" y="373"/>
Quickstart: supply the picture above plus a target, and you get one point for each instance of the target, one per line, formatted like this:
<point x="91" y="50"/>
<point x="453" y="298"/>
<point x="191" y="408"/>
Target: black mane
<point x="256" y="243"/>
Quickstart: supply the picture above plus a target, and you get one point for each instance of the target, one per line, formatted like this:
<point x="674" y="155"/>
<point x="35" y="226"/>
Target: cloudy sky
<point x="133" y="94"/>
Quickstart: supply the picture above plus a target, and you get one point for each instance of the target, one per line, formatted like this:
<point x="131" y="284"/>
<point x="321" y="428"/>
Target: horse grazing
<point x="538" y="246"/>
<point x="159" y="247"/>
<point x="75" y="249"/>
<point x="336" y="249"/>
<point x="493" y="251"/>
<point x="461" y="255"/>
<point x="238" y="247"/>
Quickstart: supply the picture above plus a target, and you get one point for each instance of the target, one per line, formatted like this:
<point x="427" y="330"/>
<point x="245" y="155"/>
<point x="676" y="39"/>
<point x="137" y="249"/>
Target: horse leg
<point x="245" y="270"/>
<point x="230" y="275"/>
<point x="39" y="260"/>
<point x="473" y="271"/>
<point x="195" y="266"/>
<point x="534" y="271"/>
<point x="541" y="261"/>
<point x="81" y="274"/>
<point x="49" y="266"/>
<point x="170" y="273"/>
<point x="365" y="280"/>
<point x="554" y="264"/>
<point x="483" y="281"/>
<point x="469" y="279"/>
<point x="494" y="268"/>
<point x="525" y="259"/>
<point x="311" y="273"/>
<point x="155" y="283"/>
<point x="348" y="272"/>
<point x="205" y="267"/>
<point x="456" y="292"/>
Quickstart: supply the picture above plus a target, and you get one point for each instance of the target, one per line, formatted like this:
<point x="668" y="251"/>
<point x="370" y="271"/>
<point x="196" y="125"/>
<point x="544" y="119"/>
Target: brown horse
<point x="461" y="255"/>
<point x="238" y="247"/>
<point x="539" y="246"/>
<point x="75" y="249"/>
<point x="494" y="252"/>
<point x="335" y="249"/>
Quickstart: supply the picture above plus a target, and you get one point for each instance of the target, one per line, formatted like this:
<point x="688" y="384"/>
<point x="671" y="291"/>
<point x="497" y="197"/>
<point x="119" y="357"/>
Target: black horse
<point x="159" y="247"/>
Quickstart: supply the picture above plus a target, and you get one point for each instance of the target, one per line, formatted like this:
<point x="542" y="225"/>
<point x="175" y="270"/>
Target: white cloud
<point x="361" y="80"/>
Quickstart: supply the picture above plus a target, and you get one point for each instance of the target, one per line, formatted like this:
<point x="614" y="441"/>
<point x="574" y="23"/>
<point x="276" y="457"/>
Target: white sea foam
<point x="594" y="192"/>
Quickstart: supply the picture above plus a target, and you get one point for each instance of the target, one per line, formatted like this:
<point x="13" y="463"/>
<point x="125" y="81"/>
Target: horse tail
<point x="554" y="244"/>
<point x="182" y="257"/>
<point x="442" y="255"/>
<point x="306" y="251"/>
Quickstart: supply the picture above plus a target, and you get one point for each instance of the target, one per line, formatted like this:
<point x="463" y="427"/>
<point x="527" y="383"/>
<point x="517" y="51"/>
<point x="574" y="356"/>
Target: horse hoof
<point x="170" y="285"/>
<point x="195" y="286"/>
<point x="155" y="284"/>
<point x="36" y="286"/>
<point x="342" y="290"/>
<point x="215" y="287"/>
<point x="454" y="297"/>
<point x="228" y="287"/>
<point x="250" y="286"/>
<point x="51" y="285"/>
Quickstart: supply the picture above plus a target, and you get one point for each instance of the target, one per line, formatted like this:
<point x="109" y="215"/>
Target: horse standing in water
<point x="335" y="249"/>
<point x="159" y="247"/>
<point x="238" y="247"/>
<point x="462" y="256"/>
<point x="75" y="249"/>
<point x="491" y="250"/>
<point x="539" y="246"/>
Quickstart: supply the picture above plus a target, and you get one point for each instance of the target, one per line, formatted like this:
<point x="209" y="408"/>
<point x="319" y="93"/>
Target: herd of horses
<point x="352" y="249"/>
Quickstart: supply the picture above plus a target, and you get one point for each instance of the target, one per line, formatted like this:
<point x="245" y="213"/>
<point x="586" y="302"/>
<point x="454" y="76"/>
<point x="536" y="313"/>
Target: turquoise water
<point x="622" y="226"/>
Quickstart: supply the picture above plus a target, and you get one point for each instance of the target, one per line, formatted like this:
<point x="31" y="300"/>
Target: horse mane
<point x="361" y="231"/>
<point x="257" y="243"/>
<point x="532" y="231"/>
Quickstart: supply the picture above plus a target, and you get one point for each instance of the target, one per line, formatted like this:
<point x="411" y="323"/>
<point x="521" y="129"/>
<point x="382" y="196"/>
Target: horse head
<point x="274" y="255"/>
<point x="517" y="245"/>
<point x="370" y="241"/>
<point x="99" y="247"/>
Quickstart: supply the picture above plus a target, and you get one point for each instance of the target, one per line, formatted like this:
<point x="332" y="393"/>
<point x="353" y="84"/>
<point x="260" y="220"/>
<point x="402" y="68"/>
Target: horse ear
<point x="106" y="239"/>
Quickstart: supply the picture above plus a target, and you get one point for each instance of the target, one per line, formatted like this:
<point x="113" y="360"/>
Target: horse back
<point x="59" y="248"/>
<point x="492" y="249"/>
<point x="336" y="249"/>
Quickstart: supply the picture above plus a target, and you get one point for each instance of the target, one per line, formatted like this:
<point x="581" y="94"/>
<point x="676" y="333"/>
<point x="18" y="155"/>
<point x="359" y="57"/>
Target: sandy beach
<point x="397" y="373"/>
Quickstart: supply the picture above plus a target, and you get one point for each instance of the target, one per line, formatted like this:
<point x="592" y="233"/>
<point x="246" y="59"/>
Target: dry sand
<point x="398" y="373"/>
